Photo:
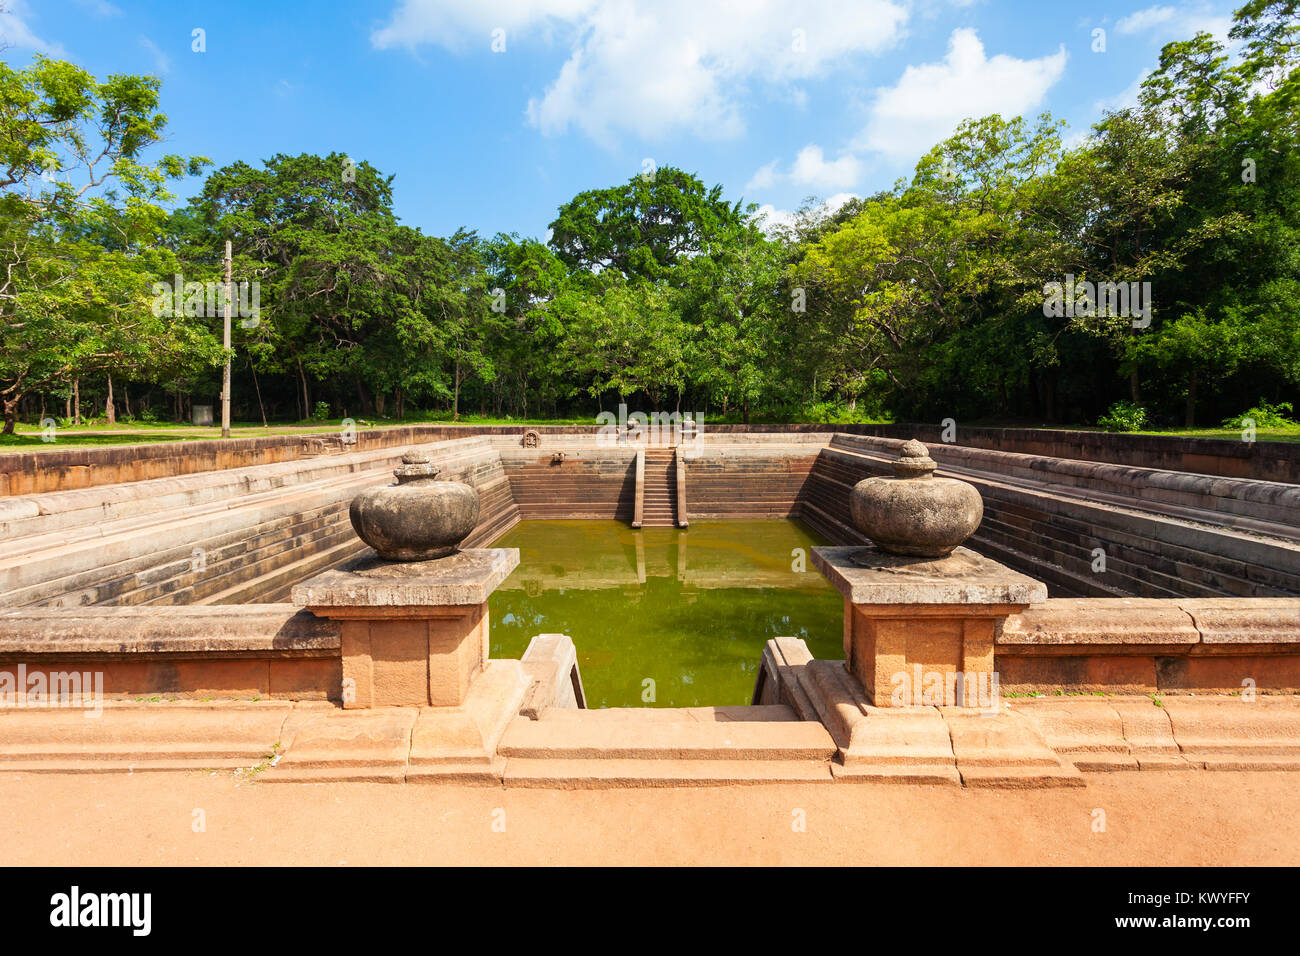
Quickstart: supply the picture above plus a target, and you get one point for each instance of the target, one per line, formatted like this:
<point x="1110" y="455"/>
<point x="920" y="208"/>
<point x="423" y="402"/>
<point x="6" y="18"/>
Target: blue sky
<point x="774" y="100"/>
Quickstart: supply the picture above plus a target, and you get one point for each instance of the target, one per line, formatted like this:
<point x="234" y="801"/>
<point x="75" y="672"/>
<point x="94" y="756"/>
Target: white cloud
<point x="161" y="63"/>
<point x="15" y="31"/>
<point x="1076" y="139"/>
<point x="812" y="169"/>
<point x="930" y="100"/>
<point x="100" y="8"/>
<point x="1144" y="20"/>
<point x="463" y="24"/>
<point x="652" y="67"/>
<point x="764" y="177"/>
<point x="1165" y="23"/>
<point x="1125" y="98"/>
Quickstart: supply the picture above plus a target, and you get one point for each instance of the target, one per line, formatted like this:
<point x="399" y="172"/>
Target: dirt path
<point x="1151" y="818"/>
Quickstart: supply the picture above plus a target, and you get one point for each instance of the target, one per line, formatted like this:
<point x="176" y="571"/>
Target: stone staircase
<point x="660" y="500"/>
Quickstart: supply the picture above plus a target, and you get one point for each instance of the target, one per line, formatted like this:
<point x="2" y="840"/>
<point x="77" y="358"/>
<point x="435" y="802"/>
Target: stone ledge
<point x="1224" y="626"/>
<point x="1076" y="621"/>
<point x="866" y="575"/>
<point x="551" y="663"/>
<point x="1180" y="733"/>
<point x="1025" y="744"/>
<point x="186" y="629"/>
<point x="465" y="578"/>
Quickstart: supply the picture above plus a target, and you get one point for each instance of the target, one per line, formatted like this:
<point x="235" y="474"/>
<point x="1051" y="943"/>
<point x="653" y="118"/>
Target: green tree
<point x="78" y="258"/>
<point x="643" y="228"/>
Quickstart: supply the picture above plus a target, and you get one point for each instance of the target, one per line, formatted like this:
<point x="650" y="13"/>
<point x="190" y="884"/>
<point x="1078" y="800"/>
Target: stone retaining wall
<point x="224" y="537"/>
<point x="1262" y="461"/>
<point x="764" y="480"/>
<point x="1135" y="646"/>
<point x="57" y="469"/>
<point x="591" y="481"/>
<point x="1159" y="534"/>
<point x="247" y="651"/>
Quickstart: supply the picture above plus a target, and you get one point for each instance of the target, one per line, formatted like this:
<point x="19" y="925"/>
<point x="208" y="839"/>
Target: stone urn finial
<point x="418" y="518"/>
<point x="415" y="465"/>
<point x="913" y="460"/>
<point x="914" y="512"/>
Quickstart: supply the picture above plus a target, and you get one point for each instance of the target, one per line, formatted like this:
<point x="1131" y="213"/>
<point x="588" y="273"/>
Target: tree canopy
<point x="926" y="300"/>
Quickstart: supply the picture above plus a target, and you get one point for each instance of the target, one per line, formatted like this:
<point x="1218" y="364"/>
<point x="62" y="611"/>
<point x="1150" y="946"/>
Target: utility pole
<point x="225" y="339"/>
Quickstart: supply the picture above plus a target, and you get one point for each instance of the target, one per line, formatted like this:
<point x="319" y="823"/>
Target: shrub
<point x="1263" y="415"/>
<point x="321" y="412"/>
<point x="1123" y="417"/>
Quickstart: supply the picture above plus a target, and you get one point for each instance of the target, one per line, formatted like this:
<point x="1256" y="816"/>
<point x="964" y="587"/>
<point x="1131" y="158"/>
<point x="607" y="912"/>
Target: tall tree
<point x="76" y="257"/>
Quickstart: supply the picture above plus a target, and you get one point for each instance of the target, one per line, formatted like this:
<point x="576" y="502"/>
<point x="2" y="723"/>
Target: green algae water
<point x="689" y="610"/>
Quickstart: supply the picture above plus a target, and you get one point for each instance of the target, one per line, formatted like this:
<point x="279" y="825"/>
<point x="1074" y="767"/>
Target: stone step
<point x="1184" y="733"/>
<point x="569" y="774"/>
<point x="630" y="738"/>
<point x="127" y="736"/>
<point x="766" y="713"/>
<point x="226" y="562"/>
<point x="275" y="585"/>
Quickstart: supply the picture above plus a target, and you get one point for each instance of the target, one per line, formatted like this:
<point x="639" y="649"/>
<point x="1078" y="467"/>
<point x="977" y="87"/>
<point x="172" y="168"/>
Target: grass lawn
<point x="1279" y="433"/>
<point x="28" y="437"/>
<point x="1283" y="433"/>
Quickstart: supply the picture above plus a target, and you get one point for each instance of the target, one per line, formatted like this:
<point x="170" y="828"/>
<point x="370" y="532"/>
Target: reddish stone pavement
<point x="1152" y="819"/>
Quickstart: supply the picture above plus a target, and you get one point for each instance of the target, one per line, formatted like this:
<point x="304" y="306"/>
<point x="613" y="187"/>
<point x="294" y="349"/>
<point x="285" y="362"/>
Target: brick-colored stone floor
<point x="149" y="818"/>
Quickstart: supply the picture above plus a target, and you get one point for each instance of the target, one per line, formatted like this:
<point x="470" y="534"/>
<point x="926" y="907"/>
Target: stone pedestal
<point x="415" y="634"/>
<point x="921" y="630"/>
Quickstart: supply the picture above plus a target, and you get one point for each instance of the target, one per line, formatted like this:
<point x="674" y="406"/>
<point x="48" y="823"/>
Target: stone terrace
<point x="249" y="532"/>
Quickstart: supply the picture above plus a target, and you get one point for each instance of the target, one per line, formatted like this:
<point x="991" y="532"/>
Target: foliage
<point x="1123" y="417"/>
<point x="77" y="259"/>
<point x="1263" y="415"/>
<point x="928" y="300"/>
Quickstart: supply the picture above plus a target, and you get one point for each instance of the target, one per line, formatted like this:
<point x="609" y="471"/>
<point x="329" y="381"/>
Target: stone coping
<point x="867" y="575"/>
<point x="467" y="577"/>
<point x="1166" y="622"/>
<point x="181" y="629"/>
